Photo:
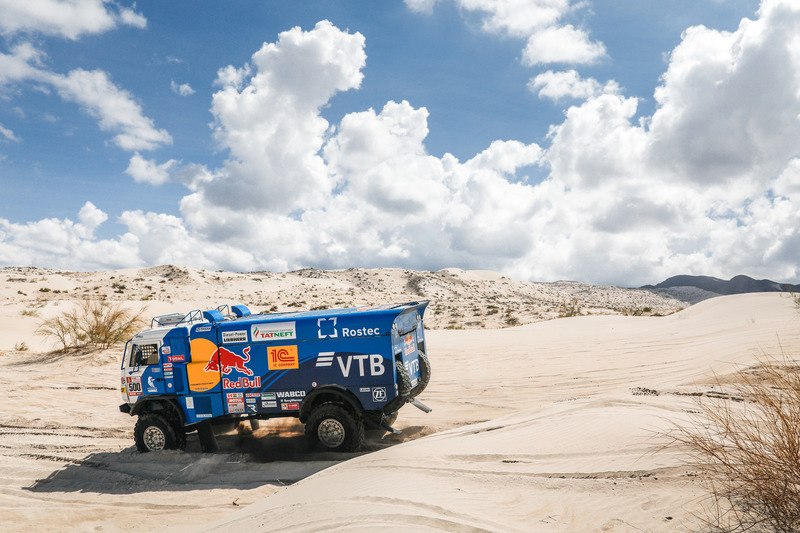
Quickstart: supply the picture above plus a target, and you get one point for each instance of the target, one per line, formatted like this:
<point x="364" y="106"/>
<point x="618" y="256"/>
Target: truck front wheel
<point x="335" y="428"/>
<point x="154" y="432"/>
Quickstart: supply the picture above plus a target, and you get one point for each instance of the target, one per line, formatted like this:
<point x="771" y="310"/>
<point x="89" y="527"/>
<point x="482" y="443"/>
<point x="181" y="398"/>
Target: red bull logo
<point x="225" y="360"/>
<point x="242" y="383"/>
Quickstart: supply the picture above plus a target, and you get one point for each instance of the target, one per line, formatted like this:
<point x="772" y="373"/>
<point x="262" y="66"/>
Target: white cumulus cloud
<point x="560" y="85"/>
<point x="70" y="19"/>
<point x="183" y="89"/>
<point x="115" y="109"/>
<point x="709" y="184"/>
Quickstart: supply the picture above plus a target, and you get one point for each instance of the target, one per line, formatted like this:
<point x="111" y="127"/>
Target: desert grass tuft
<point x="93" y="322"/>
<point x="747" y="449"/>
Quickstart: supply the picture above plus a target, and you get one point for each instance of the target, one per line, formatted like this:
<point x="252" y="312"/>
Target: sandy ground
<point x="549" y="426"/>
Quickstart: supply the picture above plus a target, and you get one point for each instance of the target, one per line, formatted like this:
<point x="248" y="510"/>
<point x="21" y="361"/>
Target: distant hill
<point x="736" y="285"/>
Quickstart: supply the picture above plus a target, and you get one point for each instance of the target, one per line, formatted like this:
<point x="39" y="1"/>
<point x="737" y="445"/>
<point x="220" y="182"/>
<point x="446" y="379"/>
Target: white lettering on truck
<point x="360" y="332"/>
<point x="372" y="363"/>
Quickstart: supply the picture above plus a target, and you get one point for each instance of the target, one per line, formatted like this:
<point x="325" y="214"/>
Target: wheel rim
<point x="154" y="438"/>
<point x="331" y="432"/>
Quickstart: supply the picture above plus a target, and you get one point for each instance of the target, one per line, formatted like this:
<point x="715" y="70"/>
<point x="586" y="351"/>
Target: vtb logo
<point x="282" y="357"/>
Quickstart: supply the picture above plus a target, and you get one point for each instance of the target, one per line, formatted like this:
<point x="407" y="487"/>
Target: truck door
<point x="174" y="356"/>
<point x="142" y="373"/>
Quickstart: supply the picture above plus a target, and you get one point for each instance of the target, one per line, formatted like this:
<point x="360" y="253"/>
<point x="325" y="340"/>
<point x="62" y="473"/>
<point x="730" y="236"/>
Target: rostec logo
<point x="329" y="325"/>
<point x="372" y="363"/>
<point x="273" y="331"/>
<point x="225" y="360"/>
<point x="282" y="357"/>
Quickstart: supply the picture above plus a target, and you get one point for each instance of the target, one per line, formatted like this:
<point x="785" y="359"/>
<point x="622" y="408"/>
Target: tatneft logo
<point x="273" y="331"/>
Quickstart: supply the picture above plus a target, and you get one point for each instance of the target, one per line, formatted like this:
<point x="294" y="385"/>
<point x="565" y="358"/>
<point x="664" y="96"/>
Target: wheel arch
<point x="329" y="393"/>
<point x="164" y="404"/>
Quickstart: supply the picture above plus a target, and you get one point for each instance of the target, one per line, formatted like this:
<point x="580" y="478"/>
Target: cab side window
<point x="144" y="354"/>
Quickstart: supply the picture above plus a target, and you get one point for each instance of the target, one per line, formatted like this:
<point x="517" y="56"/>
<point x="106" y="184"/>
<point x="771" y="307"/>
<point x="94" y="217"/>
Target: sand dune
<point x="549" y="426"/>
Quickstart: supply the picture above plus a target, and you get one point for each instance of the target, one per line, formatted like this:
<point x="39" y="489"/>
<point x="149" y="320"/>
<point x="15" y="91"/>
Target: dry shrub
<point x="747" y="446"/>
<point x="94" y="322"/>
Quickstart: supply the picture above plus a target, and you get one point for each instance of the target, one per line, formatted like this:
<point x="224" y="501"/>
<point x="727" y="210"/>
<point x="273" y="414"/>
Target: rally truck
<point x="340" y="371"/>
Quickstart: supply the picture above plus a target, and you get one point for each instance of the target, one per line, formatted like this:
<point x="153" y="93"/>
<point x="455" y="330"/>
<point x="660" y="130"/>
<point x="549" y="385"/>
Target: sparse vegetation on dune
<point x="93" y="322"/>
<point x="747" y="448"/>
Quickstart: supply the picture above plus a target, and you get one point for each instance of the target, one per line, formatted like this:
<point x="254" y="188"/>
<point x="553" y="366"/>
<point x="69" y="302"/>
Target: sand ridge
<point x="548" y="426"/>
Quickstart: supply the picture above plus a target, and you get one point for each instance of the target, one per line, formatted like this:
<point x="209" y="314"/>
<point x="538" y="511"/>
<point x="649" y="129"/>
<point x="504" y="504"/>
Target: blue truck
<point x="340" y="371"/>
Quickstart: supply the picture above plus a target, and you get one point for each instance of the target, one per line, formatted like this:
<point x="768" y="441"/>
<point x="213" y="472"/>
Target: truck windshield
<point x="143" y="354"/>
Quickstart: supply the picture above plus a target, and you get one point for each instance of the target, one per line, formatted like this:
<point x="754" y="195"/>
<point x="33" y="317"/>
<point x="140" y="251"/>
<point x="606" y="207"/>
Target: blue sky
<point x="609" y="142"/>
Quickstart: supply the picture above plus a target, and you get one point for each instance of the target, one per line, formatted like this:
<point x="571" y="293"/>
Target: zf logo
<point x="329" y="326"/>
<point x="379" y="394"/>
<point x="366" y="363"/>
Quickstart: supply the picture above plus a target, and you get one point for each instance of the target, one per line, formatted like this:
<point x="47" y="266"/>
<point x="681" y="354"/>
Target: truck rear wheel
<point x="424" y="375"/>
<point x="154" y="432"/>
<point x="335" y="428"/>
<point x="403" y="379"/>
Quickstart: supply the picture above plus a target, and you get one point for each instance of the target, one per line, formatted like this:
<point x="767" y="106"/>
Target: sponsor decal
<point x="176" y="358"/>
<point x="229" y="337"/>
<point x="268" y="405"/>
<point x="203" y="329"/>
<point x="292" y="406"/>
<point x="291" y="395"/>
<point x="151" y="384"/>
<point x="410" y="344"/>
<point x="241" y="383"/>
<point x="252" y="408"/>
<point x="252" y="394"/>
<point x="134" y="386"/>
<point x="379" y="394"/>
<point x="366" y="364"/>
<point x="329" y="326"/>
<point x="325" y="359"/>
<point x="267" y="395"/>
<point x="360" y="332"/>
<point x="249" y="400"/>
<point x="203" y="416"/>
<point x="225" y="361"/>
<point x="364" y="389"/>
<point x="282" y="357"/>
<point x="235" y="402"/>
<point x="167" y="367"/>
<point x="412" y="367"/>
<point x="189" y="402"/>
<point x="273" y="331"/>
<point x="166" y="350"/>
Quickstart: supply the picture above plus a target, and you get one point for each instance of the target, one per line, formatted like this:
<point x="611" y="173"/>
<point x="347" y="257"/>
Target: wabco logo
<point x="372" y="363"/>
